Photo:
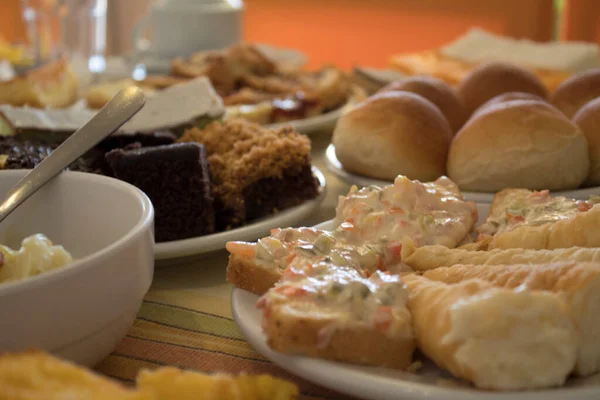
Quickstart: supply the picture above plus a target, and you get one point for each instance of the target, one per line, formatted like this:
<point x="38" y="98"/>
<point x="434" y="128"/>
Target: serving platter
<point x="335" y="166"/>
<point x="197" y="246"/>
<point x="429" y="382"/>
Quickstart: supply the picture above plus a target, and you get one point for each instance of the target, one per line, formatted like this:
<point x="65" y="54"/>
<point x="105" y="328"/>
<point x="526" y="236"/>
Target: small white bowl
<point x="82" y="311"/>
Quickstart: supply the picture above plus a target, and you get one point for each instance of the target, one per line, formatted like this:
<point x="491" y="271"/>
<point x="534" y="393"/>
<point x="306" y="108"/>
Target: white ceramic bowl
<point x="82" y="311"/>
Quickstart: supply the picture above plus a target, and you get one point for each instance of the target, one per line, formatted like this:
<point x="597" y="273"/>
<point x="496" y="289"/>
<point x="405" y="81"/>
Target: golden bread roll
<point x="391" y="134"/>
<point x="506" y="97"/>
<point x="518" y="144"/>
<point x="579" y="283"/>
<point x="588" y="120"/>
<point x="436" y="91"/>
<point x="497" y="338"/>
<point x="493" y="78"/>
<point x="575" y="91"/>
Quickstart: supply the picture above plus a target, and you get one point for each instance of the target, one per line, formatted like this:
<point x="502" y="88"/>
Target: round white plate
<point x="385" y="384"/>
<point x="209" y="243"/>
<point x="159" y="64"/>
<point x="334" y="165"/>
<point x="323" y="122"/>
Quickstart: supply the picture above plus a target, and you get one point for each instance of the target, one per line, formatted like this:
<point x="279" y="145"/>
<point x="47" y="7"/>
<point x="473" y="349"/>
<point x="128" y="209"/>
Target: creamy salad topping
<point x="347" y="270"/>
<point x="430" y="213"/>
<point x="534" y="209"/>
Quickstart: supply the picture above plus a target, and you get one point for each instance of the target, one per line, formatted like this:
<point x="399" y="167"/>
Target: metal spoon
<point x="115" y="113"/>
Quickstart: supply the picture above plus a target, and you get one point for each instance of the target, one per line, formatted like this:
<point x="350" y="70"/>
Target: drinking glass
<point x="84" y="32"/>
<point x="42" y="23"/>
<point x="73" y="27"/>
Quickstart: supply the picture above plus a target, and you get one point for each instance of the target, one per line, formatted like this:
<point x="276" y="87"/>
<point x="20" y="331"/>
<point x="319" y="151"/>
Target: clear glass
<point x="42" y="20"/>
<point x="84" y="32"/>
<point x="74" y="27"/>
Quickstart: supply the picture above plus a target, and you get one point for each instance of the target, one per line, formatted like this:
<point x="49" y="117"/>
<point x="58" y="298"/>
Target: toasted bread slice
<point x="341" y="316"/>
<point x="256" y="267"/>
<point x="296" y="330"/>
<point x="52" y="85"/>
<point x="246" y="274"/>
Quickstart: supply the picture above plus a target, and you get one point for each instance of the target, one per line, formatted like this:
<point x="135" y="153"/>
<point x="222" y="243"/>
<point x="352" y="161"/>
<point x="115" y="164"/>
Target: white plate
<point x="383" y="384"/>
<point x="323" y="122"/>
<point x="334" y="165"/>
<point x="209" y="243"/>
<point x="288" y="58"/>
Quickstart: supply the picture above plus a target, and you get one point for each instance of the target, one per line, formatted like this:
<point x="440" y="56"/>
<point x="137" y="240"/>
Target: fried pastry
<point x="430" y="257"/>
<point x="33" y="375"/>
<point x="579" y="283"/>
<point x="497" y="338"/>
<point x="521" y="218"/>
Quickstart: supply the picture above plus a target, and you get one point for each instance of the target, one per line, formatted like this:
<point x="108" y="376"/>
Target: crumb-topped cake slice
<point x="256" y="171"/>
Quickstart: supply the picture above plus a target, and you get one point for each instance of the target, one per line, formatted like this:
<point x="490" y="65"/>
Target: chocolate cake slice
<point x="176" y="179"/>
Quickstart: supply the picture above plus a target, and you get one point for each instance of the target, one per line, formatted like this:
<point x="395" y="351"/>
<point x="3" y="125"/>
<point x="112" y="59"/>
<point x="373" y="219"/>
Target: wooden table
<point x="186" y="320"/>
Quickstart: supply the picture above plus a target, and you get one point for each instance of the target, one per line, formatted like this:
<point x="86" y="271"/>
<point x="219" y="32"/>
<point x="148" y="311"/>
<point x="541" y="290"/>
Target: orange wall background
<point x="367" y="32"/>
<point x="348" y="32"/>
<point x="11" y="27"/>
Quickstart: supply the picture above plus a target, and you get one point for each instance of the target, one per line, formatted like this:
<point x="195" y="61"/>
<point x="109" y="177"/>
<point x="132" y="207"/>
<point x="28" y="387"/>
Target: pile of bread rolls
<point x="498" y="128"/>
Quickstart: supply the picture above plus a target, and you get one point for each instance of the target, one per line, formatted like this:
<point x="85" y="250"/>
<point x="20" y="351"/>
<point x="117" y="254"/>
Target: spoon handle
<point x="115" y="113"/>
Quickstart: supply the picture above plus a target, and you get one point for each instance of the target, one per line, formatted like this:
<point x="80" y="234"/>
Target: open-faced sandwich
<point x="391" y="277"/>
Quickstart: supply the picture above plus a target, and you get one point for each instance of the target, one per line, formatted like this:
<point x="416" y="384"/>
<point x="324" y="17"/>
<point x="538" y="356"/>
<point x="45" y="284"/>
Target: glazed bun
<point x="490" y="79"/>
<point x="518" y="144"/>
<point x="576" y="91"/>
<point x="508" y="96"/>
<point x="436" y="91"/>
<point x="391" y="134"/>
<point x="588" y="120"/>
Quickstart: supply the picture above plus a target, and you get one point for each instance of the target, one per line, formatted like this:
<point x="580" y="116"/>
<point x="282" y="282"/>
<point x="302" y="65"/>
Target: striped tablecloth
<point x="185" y="320"/>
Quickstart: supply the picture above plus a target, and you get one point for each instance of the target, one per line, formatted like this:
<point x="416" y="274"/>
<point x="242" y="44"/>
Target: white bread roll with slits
<point x="436" y="91"/>
<point x="518" y="144"/>
<point x="588" y="120"/>
<point x="391" y="134"/>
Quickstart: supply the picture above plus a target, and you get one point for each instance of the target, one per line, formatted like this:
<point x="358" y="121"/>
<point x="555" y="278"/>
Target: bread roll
<point x="391" y="134"/>
<point x="577" y="90"/>
<point x="588" y="120"/>
<point x="506" y="97"/>
<point x="436" y="91"/>
<point x="518" y="144"/>
<point x="491" y="79"/>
